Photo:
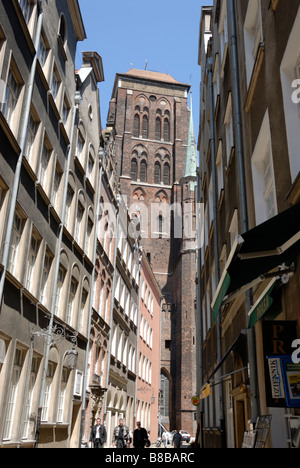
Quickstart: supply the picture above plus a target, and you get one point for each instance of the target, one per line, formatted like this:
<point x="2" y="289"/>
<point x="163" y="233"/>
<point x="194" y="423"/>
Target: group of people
<point x="121" y="436"/>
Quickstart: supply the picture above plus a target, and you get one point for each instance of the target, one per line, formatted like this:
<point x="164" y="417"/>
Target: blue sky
<point x="126" y="34"/>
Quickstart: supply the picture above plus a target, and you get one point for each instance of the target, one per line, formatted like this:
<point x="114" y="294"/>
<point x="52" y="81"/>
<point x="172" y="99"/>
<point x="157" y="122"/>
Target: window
<point x="26" y="7"/>
<point x="157" y="173"/>
<point x="160" y="225"/>
<point x="45" y="159"/>
<point x="43" y="51"/>
<point x="269" y="189"/>
<point x="71" y="301"/>
<point x="33" y="251"/>
<point x="263" y="175"/>
<point x="89" y="231"/>
<point x="166" y="174"/>
<point x="32" y="381"/>
<point x="290" y="75"/>
<point x="16" y="238"/>
<point x="143" y="174"/>
<point x="56" y="185"/>
<point x="134" y="169"/>
<point x="158" y="128"/>
<point x="79" y="218"/>
<point x="65" y="111"/>
<point x="47" y="394"/>
<point x="166" y="130"/>
<point x="145" y="127"/>
<point x="60" y="283"/>
<point x="13" y="394"/>
<point x="45" y="277"/>
<point x="69" y="200"/>
<point x="84" y="297"/>
<point x="63" y="29"/>
<point x="228" y="122"/>
<point x="80" y="148"/>
<point x="219" y="166"/>
<point x="136" y="126"/>
<point x="62" y="395"/>
<point x="55" y="84"/>
<point x="252" y="35"/>
<point x="90" y="167"/>
<point x="31" y="134"/>
<point x="223" y="31"/>
<point x="11" y="97"/>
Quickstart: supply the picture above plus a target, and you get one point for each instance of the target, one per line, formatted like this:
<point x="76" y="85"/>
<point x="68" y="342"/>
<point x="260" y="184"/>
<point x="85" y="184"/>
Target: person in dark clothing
<point x="98" y="434"/>
<point x="177" y="440"/>
<point x="140" y="437"/>
<point x="120" y="435"/>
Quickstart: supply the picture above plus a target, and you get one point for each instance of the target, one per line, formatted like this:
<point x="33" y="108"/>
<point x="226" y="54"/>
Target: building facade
<point x="120" y="400"/>
<point x="148" y="382"/>
<point x="151" y="118"/>
<point x="249" y="179"/>
<point x="49" y="173"/>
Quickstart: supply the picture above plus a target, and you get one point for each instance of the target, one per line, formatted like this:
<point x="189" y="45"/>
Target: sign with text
<point x="278" y="338"/>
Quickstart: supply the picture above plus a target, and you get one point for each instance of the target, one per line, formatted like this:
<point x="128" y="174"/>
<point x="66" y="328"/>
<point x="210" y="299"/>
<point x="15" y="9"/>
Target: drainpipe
<point x="243" y="198"/>
<point x="216" y="235"/>
<point x="22" y="144"/>
<point x="83" y="411"/>
<point x="56" y="270"/>
<point x="199" y="321"/>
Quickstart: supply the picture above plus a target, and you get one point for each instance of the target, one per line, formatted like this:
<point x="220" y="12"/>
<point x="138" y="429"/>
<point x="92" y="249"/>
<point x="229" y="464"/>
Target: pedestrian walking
<point x="177" y="439"/>
<point x="140" y="437"/>
<point x="164" y="438"/>
<point x="120" y="435"/>
<point x="98" y="434"/>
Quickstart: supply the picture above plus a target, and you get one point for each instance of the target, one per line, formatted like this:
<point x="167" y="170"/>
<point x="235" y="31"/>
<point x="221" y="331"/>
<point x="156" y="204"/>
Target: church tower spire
<point x="191" y="154"/>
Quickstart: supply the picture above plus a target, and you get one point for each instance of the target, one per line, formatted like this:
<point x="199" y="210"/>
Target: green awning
<point x="257" y="253"/>
<point x="221" y="294"/>
<point x="262" y="305"/>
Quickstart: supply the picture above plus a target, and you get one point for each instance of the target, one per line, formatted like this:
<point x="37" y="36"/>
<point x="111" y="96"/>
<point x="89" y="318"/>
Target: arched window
<point x="136" y="127"/>
<point x="160" y="222"/>
<point x="143" y="174"/>
<point x="166" y="130"/>
<point x="166" y="174"/>
<point x="145" y="127"/>
<point x="134" y="169"/>
<point x="157" y="173"/>
<point x="158" y="129"/>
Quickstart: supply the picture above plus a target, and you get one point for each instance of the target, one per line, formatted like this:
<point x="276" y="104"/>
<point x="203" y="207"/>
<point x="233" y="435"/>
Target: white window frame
<point x="261" y="191"/>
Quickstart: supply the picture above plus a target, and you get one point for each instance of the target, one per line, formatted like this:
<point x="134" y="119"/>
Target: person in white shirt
<point x="98" y="434"/>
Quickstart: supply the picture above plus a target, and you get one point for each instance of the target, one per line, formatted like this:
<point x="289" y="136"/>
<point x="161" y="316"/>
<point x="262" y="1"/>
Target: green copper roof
<point x="191" y="154"/>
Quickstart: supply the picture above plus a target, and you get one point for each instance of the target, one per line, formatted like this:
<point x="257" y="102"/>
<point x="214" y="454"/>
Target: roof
<point x="152" y="75"/>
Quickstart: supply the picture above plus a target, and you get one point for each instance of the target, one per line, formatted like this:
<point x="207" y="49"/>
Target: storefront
<point x="264" y="265"/>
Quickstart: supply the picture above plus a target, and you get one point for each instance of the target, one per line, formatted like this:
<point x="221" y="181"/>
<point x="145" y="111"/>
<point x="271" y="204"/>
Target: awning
<point x="263" y="304"/>
<point x="257" y="253"/>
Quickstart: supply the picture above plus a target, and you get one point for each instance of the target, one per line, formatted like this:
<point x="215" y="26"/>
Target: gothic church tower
<point x="156" y="151"/>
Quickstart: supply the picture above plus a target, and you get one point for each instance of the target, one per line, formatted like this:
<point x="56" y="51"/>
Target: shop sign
<point x="276" y="379"/>
<point x="278" y="339"/>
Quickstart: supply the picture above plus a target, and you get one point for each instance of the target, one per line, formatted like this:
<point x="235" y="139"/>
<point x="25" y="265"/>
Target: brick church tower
<point x="157" y="160"/>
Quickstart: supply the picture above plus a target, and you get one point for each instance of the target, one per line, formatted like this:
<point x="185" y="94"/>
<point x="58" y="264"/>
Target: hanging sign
<point x="196" y="401"/>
